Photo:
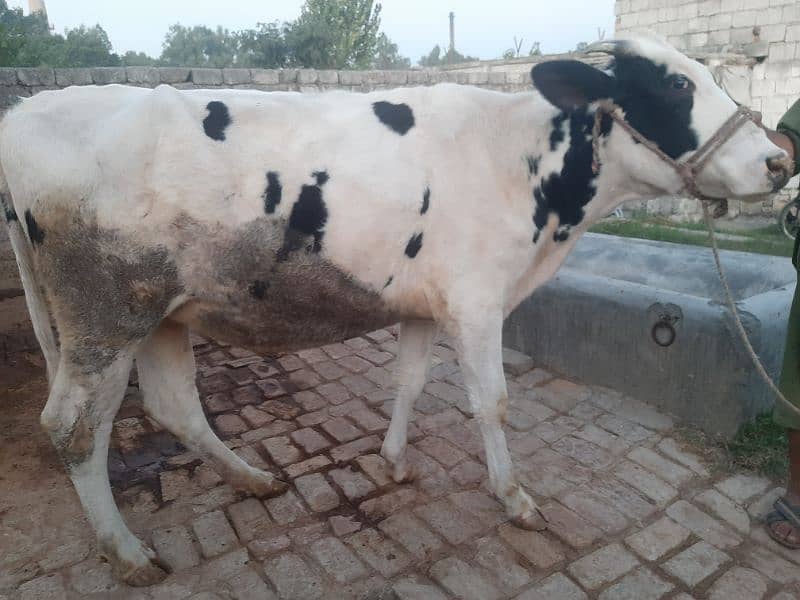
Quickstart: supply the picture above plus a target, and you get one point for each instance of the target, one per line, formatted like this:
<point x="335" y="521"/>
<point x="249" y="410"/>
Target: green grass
<point x="759" y="447"/>
<point x="763" y="240"/>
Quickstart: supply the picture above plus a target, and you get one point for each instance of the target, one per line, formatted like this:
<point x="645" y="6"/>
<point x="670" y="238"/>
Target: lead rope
<point x="736" y="318"/>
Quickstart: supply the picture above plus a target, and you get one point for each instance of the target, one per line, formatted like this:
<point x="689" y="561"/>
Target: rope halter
<point x="688" y="170"/>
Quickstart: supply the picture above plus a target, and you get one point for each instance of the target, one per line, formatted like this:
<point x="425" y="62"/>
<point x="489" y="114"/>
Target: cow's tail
<point x="34" y="294"/>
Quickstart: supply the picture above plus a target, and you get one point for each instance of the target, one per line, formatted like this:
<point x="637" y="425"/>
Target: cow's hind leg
<point x="416" y="342"/>
<point x="166" y="376"/>
<point x="479" y="340"/>
<point x="79" y="416"/>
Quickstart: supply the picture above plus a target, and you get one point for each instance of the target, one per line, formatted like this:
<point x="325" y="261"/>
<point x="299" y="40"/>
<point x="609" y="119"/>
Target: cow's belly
<point x="244" y="290"/>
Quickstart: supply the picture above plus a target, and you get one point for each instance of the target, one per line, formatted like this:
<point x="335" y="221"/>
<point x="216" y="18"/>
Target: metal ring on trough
<point x="663" y="333"/>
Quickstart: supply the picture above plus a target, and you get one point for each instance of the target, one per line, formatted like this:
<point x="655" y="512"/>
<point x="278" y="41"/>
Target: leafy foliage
<point x="328" y="34"/>
<point x="263" y="47"/>
<point x="198" y="46"/>
<point x="335" y="34"/>
<point x="436" y="58"/>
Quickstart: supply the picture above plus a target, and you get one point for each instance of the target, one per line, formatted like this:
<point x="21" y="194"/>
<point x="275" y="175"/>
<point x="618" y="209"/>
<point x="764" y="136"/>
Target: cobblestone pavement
<point x="633" y="514"/>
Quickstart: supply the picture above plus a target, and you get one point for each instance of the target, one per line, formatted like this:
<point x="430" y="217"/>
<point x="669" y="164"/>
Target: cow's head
<point x="673" y="101"/>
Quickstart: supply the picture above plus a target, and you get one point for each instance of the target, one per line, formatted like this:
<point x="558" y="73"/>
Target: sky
<point x="483" y="29"/>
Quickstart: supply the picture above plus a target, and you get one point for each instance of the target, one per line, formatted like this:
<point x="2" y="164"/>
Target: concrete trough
<point x="648" y="319"/>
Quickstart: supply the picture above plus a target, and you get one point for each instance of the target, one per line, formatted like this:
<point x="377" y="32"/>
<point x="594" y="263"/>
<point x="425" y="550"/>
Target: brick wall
<point x="753" y="48"/>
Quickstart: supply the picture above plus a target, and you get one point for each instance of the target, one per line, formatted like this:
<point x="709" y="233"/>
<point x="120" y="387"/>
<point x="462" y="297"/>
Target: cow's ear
<point x="571" y="84"/>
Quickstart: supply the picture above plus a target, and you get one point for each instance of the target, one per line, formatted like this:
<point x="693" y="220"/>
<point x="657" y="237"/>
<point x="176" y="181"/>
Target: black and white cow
<point x="280" y="221"/>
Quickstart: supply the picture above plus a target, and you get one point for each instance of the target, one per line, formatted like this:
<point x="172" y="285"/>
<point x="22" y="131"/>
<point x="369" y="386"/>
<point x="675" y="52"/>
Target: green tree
<point x="198" y="46"/>
<point x="137" y="59"/>
<point x="24" y="40"/>
<point x="335" y="34"/>
<point x="87" y="47"/>
<point x="264" y="47"/>
<point x="387" y="55"/>
<point x="435" y="58"/>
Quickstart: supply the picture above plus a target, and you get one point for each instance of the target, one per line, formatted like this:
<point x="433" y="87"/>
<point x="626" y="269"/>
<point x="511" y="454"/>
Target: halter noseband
<point x="687" y="170"/>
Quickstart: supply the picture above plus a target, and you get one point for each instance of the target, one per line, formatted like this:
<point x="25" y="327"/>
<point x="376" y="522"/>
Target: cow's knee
<point x="71" y="429"/>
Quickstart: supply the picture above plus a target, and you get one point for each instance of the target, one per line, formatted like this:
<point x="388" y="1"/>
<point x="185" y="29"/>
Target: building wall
<point x="752" y="47"/>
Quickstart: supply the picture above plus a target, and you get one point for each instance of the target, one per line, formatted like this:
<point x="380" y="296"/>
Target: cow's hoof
<point x="530" y="521"/>
<point x="403" y="472"/>
<point x="140" y="567"/>
<point x="261" y="484"/>
<point x="149" y="574"/>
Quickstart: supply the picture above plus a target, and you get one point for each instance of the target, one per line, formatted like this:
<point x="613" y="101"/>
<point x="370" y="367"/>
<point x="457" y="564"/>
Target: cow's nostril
<point x="778" y="164"/>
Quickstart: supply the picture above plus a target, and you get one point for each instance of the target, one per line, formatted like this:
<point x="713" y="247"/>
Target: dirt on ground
<point x="39" y="511"/>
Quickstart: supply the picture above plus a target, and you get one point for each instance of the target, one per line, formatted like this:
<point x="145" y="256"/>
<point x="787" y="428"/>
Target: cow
<point x="281" y="221"/>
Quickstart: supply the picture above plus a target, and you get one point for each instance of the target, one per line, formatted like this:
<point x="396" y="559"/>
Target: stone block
<point x="463" y="581"/>
<point x="641" y="583"/>
<point x="337" y="560"/>
<point x="658" y="539"/>
<point x="555" y="586"/>
<point x="285" y="509"/>
<point x="206" y="76"/>
<point x="307" y="76"/>
<point x="542" y="552"/>
<point x="702" y="525"/>
<point x="148" y="76"/>
<point x="293" y="578"/>
<point x="603" y="566"/>
<point x="214" y="534"/>
<point x="175" y="547"/>
<point x="353" y="484"/>
<point x="175" y="74"/>
<point x="265" y="76"/>
<point x="109" y="75"/>
<point x="738" y="584"/>
<point x="236" y="76"/>
<point x="8" y="77"/>
<point x="696" y="564"/>
<point x="67" y="77"/>
<point x="317" y="492"/>
<point x="36" y="76"/>
<point x="381" y="554"/>
<point x="384" y="506"/>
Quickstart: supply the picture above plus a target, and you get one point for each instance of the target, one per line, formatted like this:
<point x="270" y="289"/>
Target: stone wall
<point x="751" y="46"/>
<point x="28" y="81"/>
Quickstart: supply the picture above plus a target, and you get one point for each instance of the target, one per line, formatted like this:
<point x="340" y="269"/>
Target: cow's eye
<point x="679" y="82"/>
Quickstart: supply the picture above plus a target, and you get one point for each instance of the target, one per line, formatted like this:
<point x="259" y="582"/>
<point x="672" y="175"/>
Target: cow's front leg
<point x="416" y="341"/>
<point x="79" y="416"/>
<point x="479" y="341"/>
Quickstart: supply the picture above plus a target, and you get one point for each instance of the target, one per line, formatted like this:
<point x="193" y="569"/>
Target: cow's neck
<point x="547" y="157"/>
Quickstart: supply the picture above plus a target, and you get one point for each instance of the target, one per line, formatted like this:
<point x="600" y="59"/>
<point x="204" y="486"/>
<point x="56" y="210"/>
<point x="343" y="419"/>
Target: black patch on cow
<point x="8" y="209"/>
<point x="272" y="195"/>
<point x="35" y="233"/>
<point x="322" y="177"/>
<point x="308" y="218"/>
<point x="557" y="134"/>
<point x="426" y="201"/>
<point x="659" y="111"/>
<point x="414" y="245"/>
<point x="565" y="193"/>
<point x="533" y="164"/>
<point x="217" y="120"/>
<point x="389" y="281"/>
<point x="397" y="117"/>
<point x="258" y="289"/>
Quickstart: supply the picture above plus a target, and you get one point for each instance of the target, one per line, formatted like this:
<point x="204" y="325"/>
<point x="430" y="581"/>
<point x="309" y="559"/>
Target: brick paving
<point x="633" y="513"/>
